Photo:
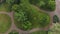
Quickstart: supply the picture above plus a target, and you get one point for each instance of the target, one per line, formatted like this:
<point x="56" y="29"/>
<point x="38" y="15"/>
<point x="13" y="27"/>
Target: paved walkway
<point x="57" y="11"/>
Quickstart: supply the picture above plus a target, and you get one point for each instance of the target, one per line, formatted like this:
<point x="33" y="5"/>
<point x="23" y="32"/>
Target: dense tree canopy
<point x="44" y="4"/>
<point x="26" y="16"/>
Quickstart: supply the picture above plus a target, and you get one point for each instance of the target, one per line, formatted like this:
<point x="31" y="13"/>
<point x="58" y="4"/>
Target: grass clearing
<point x="5" y="23"/>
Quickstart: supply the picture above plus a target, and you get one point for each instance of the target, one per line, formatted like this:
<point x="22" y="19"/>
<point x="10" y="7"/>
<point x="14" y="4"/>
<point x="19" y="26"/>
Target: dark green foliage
<point x="27" y="17"/>
<point x="21" y="18"/>
<point x="55" y="19"/>
<point x="13" y="32"/>
<point x="44" y="4"/>
<point x="34" y="1"/>
<point x="50" y="5"/>
<point x="10" y="3"/>
<point x="17" y="2"/>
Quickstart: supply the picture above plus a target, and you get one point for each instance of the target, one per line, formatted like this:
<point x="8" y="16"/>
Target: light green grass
<point x="5" y="23"/>
<point x="55" y="29"/>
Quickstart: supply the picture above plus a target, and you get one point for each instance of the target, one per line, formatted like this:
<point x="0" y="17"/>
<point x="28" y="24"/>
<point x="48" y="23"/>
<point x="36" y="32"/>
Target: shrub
<point x="5" y="23"/>
<point x="55" y="19"/>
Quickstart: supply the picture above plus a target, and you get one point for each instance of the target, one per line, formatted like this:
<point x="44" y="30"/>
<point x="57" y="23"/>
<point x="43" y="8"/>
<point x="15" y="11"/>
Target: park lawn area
<point x="39" y="32"/>
<point x="5" y="23"/>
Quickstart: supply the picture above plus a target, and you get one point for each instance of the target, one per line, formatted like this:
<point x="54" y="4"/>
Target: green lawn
<point x="5" y="23"/>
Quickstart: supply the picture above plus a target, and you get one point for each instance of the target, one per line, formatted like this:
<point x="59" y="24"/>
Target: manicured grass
<point x="5" y="23"/>
<point x="40" y="32"/>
